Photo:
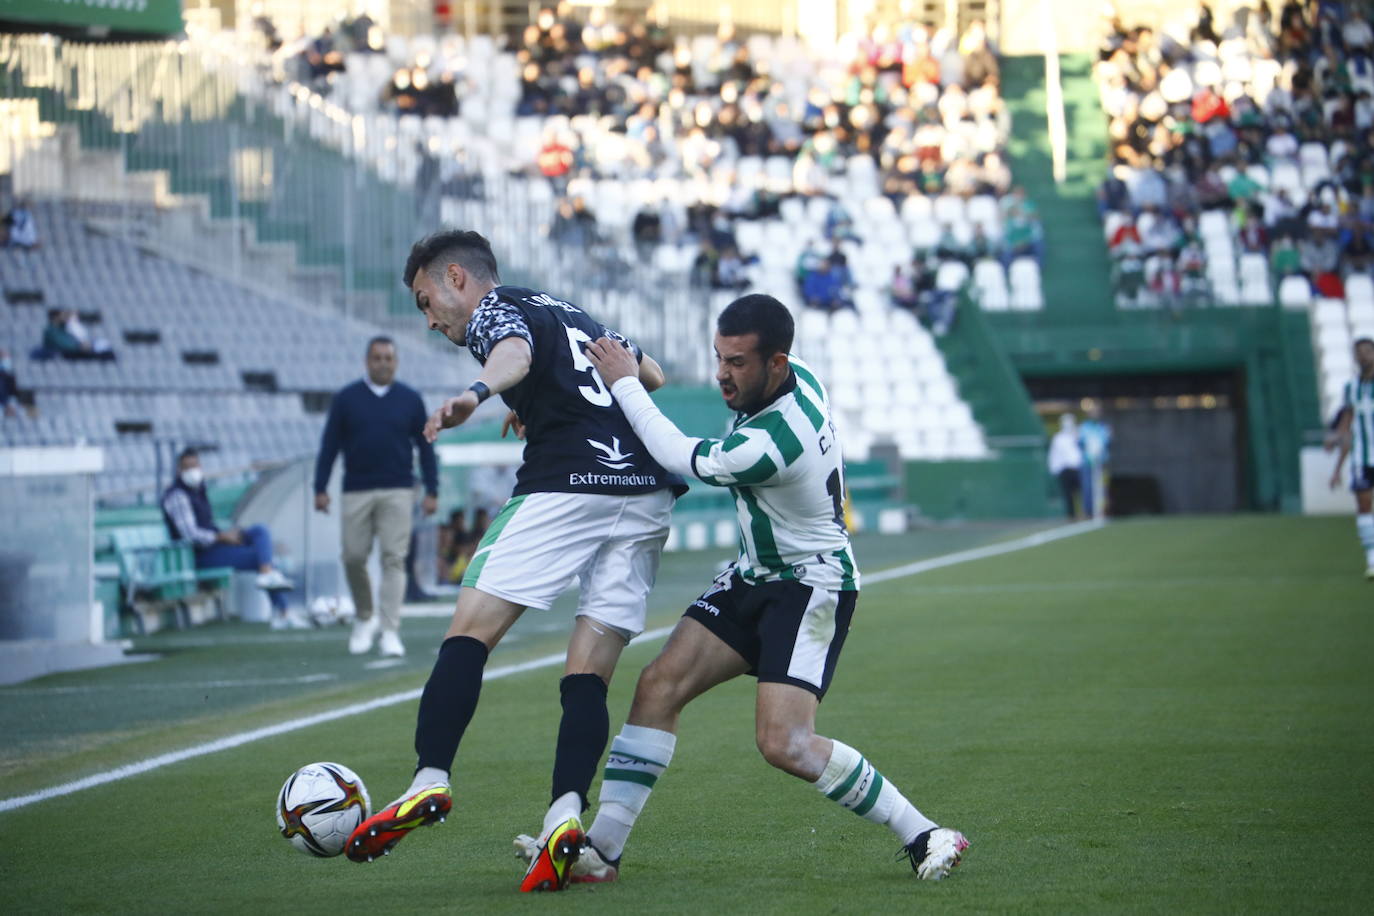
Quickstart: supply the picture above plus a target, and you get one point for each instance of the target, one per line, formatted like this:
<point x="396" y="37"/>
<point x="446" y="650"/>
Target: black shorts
<point x="789" y="633"/>
<point x="1361" y="478"/>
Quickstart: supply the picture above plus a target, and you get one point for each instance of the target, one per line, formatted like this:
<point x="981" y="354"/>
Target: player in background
<point x="1354" y="434"/>
<point x="781" y="612"/>
<point x="589" y="502"/>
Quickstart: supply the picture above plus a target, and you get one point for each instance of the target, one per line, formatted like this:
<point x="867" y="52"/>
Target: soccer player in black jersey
<point x="589" y="502"/>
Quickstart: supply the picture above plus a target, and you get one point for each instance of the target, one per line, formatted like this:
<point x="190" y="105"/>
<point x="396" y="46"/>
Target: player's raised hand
<point x="513" y="424"/>
<point x="612" y="360"/>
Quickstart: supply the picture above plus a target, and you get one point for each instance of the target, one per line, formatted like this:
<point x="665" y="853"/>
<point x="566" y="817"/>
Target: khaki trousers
<point x="383" y="516"/>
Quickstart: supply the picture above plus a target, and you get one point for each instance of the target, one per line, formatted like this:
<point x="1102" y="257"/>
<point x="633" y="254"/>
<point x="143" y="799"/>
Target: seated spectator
<point x="996" y="176"/>
<point x="187" y="514"/>
<point x="831" y="287"/>
<point x="731" y="270"/>
<point x="940" y="306"/>
<point x="647" y="228"/>
<point x="902" y="288"/>
<point x="1284" y="258"/>
<point x="58" y="340"/>
<point x="981" y="246"/>
<point x="97" y="345"/>
<point x="1250" y="234"/>
<point x="839" y="225"/>
<point x="1243" y="188"/>
<point x="1191" y="267"/>
<point x="1020" y="237"/>
<point x="574" y="225"/>
<point x="1358" y="248"/>
<point x="811" y="259"/>
<point x="555" y="162"/>
<point x="21" y="230"/>
<point x="9" y="387"/>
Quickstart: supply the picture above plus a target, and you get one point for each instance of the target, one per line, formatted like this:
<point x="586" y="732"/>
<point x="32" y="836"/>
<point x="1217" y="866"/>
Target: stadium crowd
<point x="1260" y="131"/>
<point x="622" y="100"/>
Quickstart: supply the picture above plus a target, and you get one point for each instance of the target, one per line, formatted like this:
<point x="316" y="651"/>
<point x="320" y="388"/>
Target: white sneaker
<point x="390" y="645"/>
<point x="274" y="581"/>
<point x="364" y="635"/>
<point x="935" y="852"/>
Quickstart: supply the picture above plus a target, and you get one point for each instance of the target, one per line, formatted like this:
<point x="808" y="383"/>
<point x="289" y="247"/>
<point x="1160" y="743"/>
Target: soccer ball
<point x="320" y="805"/>
<point x="328" y="610"/>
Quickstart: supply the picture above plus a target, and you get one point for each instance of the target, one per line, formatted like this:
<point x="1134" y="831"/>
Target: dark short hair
<point x="761" y="315"/>
<point x="187" y="453"/>
<point x="461" y="246"/>
<point x="379" y="340"/>
<point x="1364" y="340"/>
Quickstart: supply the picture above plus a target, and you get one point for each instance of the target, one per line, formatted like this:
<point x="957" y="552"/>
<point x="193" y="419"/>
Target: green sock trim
<point x="871" y="798"/>
<point x="843" y="788"/>
<point x="644" y="779"/>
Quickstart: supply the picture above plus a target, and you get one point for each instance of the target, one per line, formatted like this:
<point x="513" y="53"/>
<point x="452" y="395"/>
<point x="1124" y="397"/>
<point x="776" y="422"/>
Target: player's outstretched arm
<point x="621" y="373"/>
<point x="507" y="365"/>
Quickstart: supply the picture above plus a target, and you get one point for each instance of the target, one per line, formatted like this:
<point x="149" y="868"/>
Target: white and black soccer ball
<point x="320" y="805"/>
<point x="330" y="610"/>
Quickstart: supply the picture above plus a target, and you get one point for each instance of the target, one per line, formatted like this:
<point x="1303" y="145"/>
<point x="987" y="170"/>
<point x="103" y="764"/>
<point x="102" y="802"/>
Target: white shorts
<point x="539" y="542"/>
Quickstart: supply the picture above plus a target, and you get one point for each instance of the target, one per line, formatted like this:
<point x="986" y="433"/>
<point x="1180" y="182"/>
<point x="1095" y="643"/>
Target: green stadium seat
<point x="153" y="567"/>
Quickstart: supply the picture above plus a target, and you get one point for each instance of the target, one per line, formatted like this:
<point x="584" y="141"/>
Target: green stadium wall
<point x="129" y="17"/>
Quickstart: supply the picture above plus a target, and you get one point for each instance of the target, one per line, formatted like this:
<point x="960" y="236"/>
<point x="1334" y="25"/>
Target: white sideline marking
<point x="186" y="685"/>
<point x="343" y="712"/>
<point x="981" y="553"/>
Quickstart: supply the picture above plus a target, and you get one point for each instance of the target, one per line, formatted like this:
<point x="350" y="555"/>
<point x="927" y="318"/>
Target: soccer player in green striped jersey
<point x="1354" y="433"/>
<point x="780" y="613"/>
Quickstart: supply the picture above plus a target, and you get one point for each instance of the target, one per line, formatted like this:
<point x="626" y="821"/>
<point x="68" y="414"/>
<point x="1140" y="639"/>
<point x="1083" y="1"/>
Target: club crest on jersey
<point x="615" y="459"/>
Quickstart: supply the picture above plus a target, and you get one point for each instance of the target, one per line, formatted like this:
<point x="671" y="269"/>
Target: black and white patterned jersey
<point x="576" y="438"/>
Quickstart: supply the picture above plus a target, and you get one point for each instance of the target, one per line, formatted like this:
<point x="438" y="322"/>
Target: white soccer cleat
<point x="935" y="852"/>
<point x="1369" y="572"/>
<point x="390" y="645"/>
<point x="590" y="868"/>
<point x="364" y="635"/>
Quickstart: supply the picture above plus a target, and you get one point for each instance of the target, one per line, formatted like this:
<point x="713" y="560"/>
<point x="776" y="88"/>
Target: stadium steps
<point x="1076" y="272"/>
<point x="316" y="248"/>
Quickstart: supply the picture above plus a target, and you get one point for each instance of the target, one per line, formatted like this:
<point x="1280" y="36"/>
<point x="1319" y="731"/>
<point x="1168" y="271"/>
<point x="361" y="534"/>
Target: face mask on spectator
<point x="193" y="477"/>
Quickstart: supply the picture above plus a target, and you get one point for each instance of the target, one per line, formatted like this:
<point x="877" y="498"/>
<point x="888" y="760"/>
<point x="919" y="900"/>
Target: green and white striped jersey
<point x="784" y="468"/>
<point x="1358" y="396"/>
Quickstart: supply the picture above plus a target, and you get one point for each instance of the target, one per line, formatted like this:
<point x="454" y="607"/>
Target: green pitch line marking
<point x="343" y="712"/>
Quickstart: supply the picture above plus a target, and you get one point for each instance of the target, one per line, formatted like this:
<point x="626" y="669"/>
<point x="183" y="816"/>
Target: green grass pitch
<point x="1161" y="716"/>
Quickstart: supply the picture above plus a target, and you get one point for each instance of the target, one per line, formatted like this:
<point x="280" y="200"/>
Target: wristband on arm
<point x="481" y="390"/>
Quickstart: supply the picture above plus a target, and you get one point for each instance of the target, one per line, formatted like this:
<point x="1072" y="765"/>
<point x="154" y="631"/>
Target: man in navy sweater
<point x="376" y="422"/>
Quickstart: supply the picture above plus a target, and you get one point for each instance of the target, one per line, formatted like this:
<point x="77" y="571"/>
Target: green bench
<point x="154" y="569"/>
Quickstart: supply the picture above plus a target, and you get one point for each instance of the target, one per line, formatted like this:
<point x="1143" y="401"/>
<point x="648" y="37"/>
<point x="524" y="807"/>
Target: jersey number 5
<point x="596" y="393"/>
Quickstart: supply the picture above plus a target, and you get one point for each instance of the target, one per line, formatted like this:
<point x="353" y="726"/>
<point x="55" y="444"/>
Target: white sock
<point x="426" y="776"/>
<point x="854" y="782"/>
<point x="638" y="757"/>
<point x="567" y="805"/>
<point x="1364" y="524"/>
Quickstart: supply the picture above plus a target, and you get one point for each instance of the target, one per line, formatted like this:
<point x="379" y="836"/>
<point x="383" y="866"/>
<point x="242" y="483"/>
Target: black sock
<point x="448" y="701"/>
<point x="582" y="735"/>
